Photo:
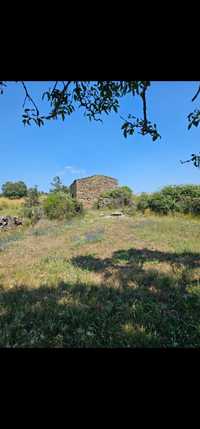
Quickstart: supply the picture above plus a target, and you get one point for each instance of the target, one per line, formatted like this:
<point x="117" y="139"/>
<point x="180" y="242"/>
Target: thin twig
<point x="183" y="162"/>
<point x="29" y="97"/>
<point x="196" y="95"/>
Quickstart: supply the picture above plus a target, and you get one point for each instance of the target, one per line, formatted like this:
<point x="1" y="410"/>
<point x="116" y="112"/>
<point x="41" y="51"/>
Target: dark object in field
<point x="117" y="214"/>
<point x="9" y="221"/>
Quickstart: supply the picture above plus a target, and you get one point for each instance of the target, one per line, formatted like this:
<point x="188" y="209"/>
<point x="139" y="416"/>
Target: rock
<point x="9" y="221"/>
<point x="117" y="214"/>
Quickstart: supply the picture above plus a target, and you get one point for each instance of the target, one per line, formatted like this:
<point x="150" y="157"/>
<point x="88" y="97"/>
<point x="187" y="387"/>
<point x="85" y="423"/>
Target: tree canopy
<point x="96" y="98"/>
<point x="14" y="189"/>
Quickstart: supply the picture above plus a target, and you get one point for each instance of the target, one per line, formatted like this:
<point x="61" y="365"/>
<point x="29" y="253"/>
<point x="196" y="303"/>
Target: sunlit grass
<point x="9" y="207"/>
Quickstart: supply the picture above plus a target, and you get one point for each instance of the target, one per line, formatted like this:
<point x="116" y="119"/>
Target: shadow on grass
<point x="137" y="257"/>
<point x="68" y="315"/>
<point x="131" y="308"/>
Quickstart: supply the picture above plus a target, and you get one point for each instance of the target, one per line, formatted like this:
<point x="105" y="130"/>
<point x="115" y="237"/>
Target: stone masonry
<point x="88" y="190"/>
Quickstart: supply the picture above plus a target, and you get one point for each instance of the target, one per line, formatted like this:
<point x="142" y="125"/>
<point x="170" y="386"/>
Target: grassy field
<point x="10" y="207"/>
<point x="97" y="281"/>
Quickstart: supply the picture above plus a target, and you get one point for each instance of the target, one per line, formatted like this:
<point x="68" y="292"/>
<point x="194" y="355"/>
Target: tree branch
<point x="29" y="97"/>
<point x="143" y="95"/>
<point x="55" y="86"/>
<point x="196" y="95"/>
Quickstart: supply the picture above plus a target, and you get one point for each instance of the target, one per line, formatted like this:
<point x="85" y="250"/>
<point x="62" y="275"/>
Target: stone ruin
<point x="9" y="222"/>
<point x="88" y="189"/>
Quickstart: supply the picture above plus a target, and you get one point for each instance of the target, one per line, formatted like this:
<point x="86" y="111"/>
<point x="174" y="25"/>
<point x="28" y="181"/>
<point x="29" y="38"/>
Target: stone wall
<point x="88" y="190"/>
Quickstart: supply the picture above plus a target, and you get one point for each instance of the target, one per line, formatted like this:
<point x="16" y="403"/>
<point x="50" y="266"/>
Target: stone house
<point x="88" y="189"/>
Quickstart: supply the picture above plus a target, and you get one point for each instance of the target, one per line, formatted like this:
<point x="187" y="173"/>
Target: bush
<point x="78" y="207"/>
<point x="195" y="206"/>
<point x="34" y="213"/>
<point x="143" y="202"/>
<point x="163" y="204"/>
<point x="116" y="198"/>
<point x="59" y="205"/>
<point x="180" y="192"/>
<point x="32" y="198"/>
<point x="14" y="189"/>
<point x="171" y="199"/>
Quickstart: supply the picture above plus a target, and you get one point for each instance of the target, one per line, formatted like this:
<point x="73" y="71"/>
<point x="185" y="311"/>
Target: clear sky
<point x="77" y="148"/>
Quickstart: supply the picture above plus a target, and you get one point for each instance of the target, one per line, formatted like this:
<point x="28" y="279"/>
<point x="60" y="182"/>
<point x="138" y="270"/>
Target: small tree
<point x="32" y="198"/>
<point x="58" y="186"/>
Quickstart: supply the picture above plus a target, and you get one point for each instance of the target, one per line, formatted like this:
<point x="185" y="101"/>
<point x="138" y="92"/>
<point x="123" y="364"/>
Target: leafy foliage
<point x="32" y="198"/>
<point x="59" y="205"/>
<point x="116" y="198"/>
<point x="14" y="189"/>
<point x="171" y="199"/>
<point x="143" y="202"/>
<point x="94" y="98"/>
<point x="32" y="208"/>
<point x="162" y="204"/>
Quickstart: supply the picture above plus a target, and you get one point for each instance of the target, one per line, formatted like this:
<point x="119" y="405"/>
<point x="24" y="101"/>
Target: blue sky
<point x="77" y="148"/>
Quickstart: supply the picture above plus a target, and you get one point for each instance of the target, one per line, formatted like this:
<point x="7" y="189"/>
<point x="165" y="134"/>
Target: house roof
<point x="95" y="175"/>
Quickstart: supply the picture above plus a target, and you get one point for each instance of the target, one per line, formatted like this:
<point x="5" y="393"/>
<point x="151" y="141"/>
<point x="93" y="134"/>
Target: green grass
<point x="101" y="282"/>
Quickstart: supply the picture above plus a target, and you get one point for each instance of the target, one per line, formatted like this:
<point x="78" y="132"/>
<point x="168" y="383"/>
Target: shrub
<point x="59" y="205"/>
<point x="32" y="198"/>
<point x="180" y="192"/>
<point x="34" y="213"/>
<point x="171" y="199"/>
<point x="163" y="204"/>
<point x="78" y="207"/>
<point x="116" y="198"/>
<point x="143" y="202"/>
<point x="195" y="206"/>
<point x="14" y="189"/>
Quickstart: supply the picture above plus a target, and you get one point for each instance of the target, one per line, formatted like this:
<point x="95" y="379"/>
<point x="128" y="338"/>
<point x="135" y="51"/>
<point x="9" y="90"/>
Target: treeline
<point x="172" y="199"/>
<point x="15" y="190"/>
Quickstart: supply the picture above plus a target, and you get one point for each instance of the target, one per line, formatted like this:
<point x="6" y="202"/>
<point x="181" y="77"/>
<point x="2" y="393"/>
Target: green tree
<point x="14" y="189"/>
<point x="57" y="185"/>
